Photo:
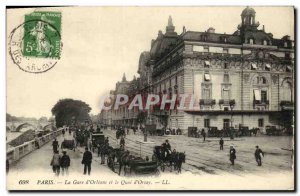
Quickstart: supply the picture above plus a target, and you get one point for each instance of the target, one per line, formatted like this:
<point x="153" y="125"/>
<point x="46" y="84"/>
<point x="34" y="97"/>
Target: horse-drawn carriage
<point x="120" y="132"/>
<point x="119" y="159"/>
<point x="68" y="144"/>
<point x="97" y="140"/>
<point x="272" y="130"/>
<point x="167" y="159"/>
<point x="193" y="132"/>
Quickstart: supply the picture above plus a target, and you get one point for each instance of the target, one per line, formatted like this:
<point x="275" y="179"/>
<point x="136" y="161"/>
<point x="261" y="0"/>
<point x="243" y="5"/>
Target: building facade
<point x="240" y="79"/>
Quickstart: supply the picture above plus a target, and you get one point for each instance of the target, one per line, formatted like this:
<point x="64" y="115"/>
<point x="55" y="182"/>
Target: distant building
<point x="240" y="79"/>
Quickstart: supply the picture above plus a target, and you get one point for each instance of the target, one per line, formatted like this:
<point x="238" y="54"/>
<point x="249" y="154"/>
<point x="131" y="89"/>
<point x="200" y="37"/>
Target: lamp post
<point x="232" y="103"/>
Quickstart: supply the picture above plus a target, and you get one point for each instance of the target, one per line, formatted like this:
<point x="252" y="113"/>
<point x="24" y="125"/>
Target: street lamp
<point x="232" y="104"/>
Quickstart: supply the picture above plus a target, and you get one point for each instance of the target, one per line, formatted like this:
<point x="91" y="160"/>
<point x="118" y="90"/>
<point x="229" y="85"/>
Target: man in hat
<point x="221" y="143"/>
<point x="232" y="155"/>
<point x="87" y="161"/>
<point x="65" y="163"/>
<point x="258" y="155"/>
<point x="55" y="145"/>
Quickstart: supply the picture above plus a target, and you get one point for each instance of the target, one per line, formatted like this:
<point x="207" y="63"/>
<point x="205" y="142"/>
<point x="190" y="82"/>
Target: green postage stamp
<point x="42" y="34"/>
<point x="35" y="45"/>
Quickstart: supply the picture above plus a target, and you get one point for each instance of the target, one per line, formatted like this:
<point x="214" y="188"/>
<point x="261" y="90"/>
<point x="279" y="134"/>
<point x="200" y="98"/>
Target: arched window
<point x="286" y="91"/>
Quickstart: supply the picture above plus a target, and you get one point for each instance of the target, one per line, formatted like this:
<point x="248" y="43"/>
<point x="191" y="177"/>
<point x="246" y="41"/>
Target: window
<point x="268" y="67"/>
<point x="251" y="41"/>
<point x="265" y="42"/>
<point x="207" y="123"/>
<point x="226" y="94"/>
<point x="206" y="64"/>
<point x="285" y="44"/>
<point x="206" y="93"/>
<point x="226" y="109"/>
<point x="226" y="66"/>
<point x="288" y="68"/>
<point x="260" y="122"/>
<point x="263" y="96"/>
<point x="226" y="78"/>
<point x="263" y="80"/>
<point x="287" y="55"/>
<point x="206" y="77"/>
<point x="256" y="94"/>
<point x="226" y="123"/>
<point x="286" y="91"/>
<point x="253" y="66"/>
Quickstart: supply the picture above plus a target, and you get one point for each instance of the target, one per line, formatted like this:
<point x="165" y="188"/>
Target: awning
<point x="253" y="66"/>
<point x="268" y="66"/>
<point x="207" y="77"/>
<point x="207" y="62"/>
<point x="257" y="95"/>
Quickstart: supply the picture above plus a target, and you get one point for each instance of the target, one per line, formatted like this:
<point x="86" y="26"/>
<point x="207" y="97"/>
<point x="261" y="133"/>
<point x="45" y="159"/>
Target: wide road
<point x="205" y="157"/>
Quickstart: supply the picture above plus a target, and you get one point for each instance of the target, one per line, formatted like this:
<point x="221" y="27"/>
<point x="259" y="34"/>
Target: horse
<point x="180" y="158"/>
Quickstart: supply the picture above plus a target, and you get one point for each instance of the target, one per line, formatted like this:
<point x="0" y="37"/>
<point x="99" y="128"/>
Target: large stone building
<point x="240" y="79"/>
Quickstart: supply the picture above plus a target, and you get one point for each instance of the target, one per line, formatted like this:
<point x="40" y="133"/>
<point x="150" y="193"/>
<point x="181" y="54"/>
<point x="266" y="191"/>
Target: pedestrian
<point x="232" y="155"/>
<point x="122" y="142"/>
<point x="55" y="162"/>
<point x="55" y="145"/>
<point x="258" y="155"/>
<point x="65" y="163"/>
<point x="221" y="143"/>
<point x="37" y="142"/>
<point x="7" y="166"/>
<point x="87" y="161"/>
<point x="106" y="141"/>
<point x="63" y="132"/>
<point x="203" y="134"/>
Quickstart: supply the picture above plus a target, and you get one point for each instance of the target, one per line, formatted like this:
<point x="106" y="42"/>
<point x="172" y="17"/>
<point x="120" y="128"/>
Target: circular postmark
<point x="35" y="46"/>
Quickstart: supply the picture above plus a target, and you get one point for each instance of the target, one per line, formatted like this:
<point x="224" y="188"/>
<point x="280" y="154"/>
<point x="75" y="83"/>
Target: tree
<point x="68" y="110"/>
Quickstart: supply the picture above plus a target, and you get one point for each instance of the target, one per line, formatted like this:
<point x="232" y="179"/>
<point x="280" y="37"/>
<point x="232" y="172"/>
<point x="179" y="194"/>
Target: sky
<point x="102" y="43"/>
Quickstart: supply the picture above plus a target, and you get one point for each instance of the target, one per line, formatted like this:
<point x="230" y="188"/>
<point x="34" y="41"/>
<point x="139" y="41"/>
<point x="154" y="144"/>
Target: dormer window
<point x="206" y="77"/>
<point x="268" y="67"/>
<point x="206" y="64"/>
<point x="253" y="66"/>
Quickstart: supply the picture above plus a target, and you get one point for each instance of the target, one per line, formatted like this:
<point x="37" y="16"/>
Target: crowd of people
<point x="61" y="162"/>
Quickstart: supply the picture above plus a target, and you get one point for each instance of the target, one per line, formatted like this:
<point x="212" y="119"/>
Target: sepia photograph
<point x="190" y="98"/>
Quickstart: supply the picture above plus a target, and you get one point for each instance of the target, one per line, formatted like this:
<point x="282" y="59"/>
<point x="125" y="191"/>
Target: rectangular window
<point x="206" y="64"/>
<point x="257" y="96"/>
<point x="226" y="94"/>
<point x="264" y="96"/>
<point x="226" y="123"/>
<point x="207" y="123"/>
<point x="206" y="77"/>
<point x="226" y="66"/>
<point x="260" y="122"/>
<point x="206" y="93"/>
<point x="226" y="78"/>
<point x="253" y="66"/>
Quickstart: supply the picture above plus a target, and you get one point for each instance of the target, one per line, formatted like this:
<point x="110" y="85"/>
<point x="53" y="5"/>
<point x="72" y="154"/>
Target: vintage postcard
<point x="150" y="98"/>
